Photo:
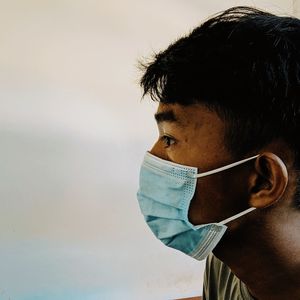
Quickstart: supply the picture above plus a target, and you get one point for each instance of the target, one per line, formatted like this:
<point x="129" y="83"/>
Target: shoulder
<point x="221" y="283"/>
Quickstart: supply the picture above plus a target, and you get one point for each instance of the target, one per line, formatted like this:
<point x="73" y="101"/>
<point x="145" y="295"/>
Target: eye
<point x="167" y="140"/>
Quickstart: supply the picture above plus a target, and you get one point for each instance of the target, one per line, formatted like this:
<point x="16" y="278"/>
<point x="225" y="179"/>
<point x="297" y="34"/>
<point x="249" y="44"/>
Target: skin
<point x="261" y="248"/>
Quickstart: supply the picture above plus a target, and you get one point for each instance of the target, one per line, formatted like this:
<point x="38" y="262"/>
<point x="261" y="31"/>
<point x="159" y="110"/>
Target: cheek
<point x="217" y="197"/>
<point x="206" y="204"/>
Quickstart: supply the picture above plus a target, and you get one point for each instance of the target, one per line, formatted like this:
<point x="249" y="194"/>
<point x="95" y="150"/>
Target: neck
<point x="265" y="255"/>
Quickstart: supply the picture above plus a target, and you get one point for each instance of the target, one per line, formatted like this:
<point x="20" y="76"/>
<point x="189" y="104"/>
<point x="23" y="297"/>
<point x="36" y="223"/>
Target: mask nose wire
<point x="223" y="168"/>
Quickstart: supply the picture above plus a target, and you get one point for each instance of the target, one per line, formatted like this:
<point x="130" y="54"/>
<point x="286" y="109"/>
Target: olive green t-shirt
<point x="221" y="284"/>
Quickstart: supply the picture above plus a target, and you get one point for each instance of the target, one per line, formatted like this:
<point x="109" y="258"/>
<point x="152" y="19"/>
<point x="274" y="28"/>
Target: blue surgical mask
<point x="165" y="193"/>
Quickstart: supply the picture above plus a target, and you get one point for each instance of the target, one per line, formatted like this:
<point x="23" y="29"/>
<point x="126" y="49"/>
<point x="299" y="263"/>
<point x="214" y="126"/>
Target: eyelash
<point x="167" y="140"/>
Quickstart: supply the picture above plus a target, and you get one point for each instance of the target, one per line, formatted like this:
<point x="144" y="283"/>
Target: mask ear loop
<point x="237" y="216"/>
<point x="224" y="168"/>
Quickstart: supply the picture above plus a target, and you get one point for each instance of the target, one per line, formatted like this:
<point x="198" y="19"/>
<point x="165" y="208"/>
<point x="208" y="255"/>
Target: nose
<point x="159" y="150"/>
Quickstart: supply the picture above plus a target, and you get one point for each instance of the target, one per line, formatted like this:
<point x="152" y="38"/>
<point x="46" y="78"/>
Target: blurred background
<point x="73" y="132"/>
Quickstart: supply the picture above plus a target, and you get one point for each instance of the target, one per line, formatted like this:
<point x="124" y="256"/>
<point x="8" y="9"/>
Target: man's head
<point x="229" y="90"/>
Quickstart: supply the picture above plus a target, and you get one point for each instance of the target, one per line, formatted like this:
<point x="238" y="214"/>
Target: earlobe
<point x="269" y="180"/>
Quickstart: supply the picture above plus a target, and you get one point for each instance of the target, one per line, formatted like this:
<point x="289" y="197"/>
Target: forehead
<point x="187" y="115"/>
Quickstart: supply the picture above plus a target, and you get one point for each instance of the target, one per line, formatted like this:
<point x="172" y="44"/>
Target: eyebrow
<point x="165" y="116"/>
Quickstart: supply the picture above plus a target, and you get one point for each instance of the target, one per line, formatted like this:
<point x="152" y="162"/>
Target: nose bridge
<point x="159" y="151"/>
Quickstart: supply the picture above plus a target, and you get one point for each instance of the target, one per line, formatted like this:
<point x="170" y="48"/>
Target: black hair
<point x="243" y="63"/>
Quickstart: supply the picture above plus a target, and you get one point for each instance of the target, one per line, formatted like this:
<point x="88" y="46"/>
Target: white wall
<point x="73" y="132"/>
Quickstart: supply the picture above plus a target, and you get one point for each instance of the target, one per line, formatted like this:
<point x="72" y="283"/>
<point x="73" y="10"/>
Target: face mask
<point x="165" y="192"/>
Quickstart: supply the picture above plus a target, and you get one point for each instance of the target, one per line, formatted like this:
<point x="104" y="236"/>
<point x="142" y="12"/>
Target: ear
<point x="269" y="180"/>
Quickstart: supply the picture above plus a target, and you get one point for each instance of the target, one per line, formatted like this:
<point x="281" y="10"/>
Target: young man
<point x="223" y="174"/>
